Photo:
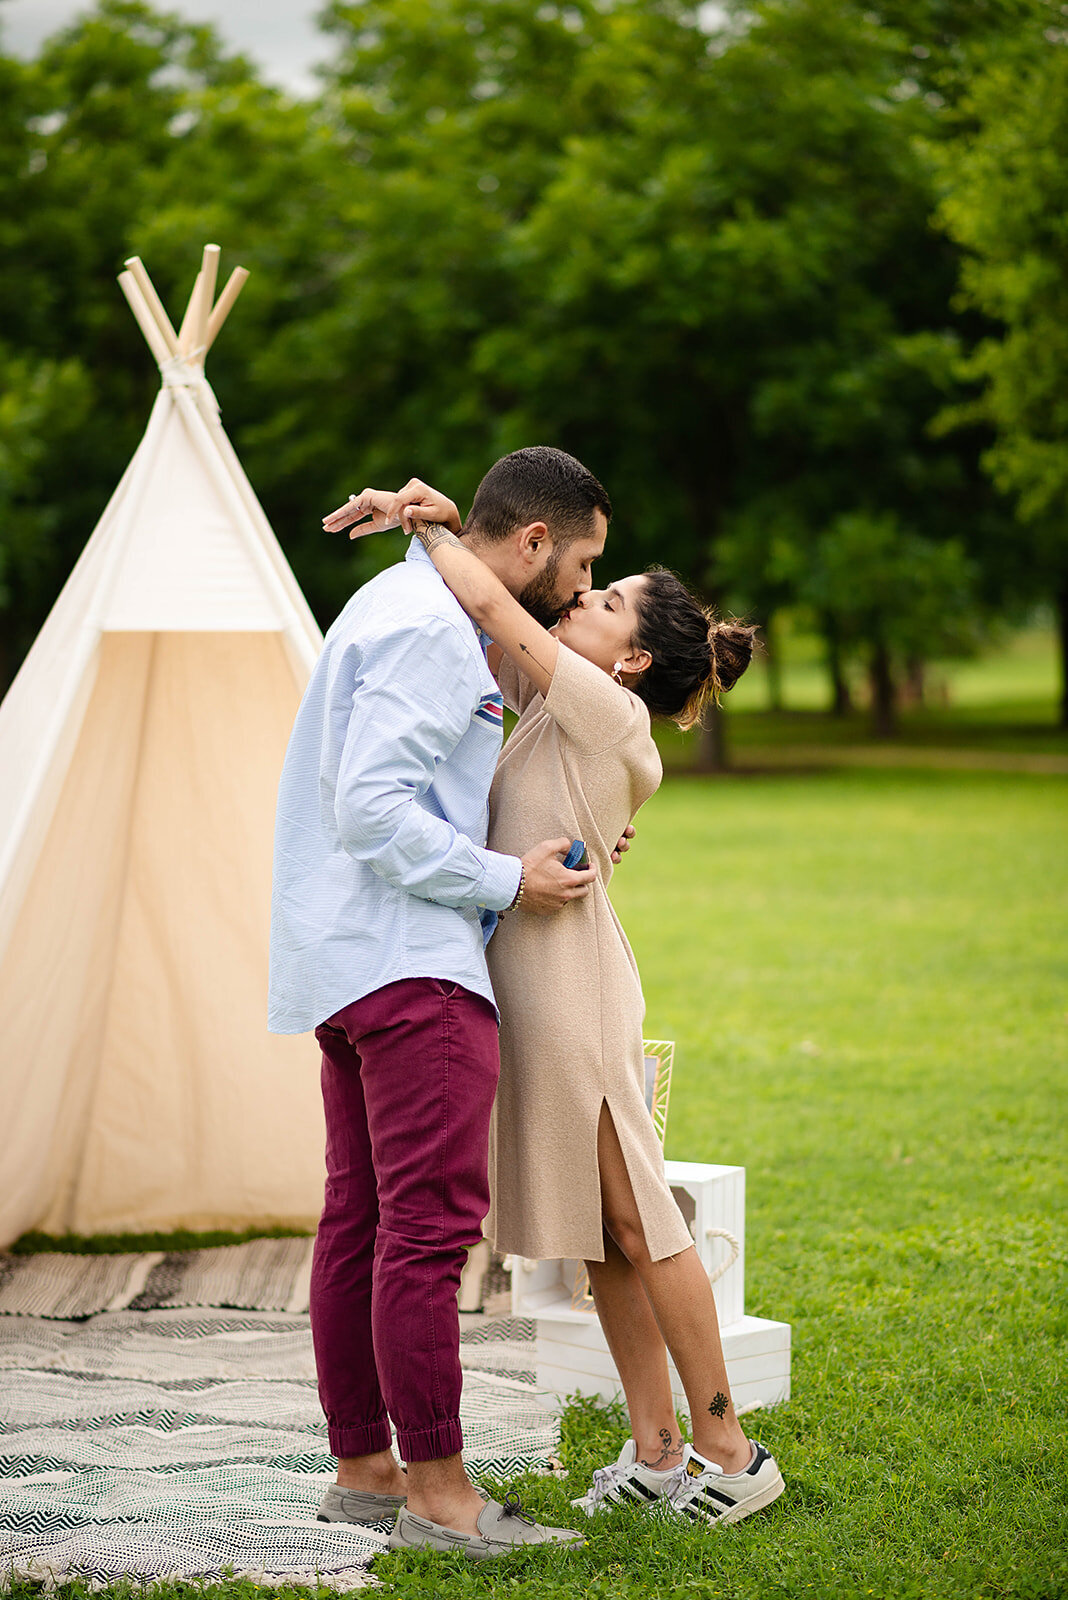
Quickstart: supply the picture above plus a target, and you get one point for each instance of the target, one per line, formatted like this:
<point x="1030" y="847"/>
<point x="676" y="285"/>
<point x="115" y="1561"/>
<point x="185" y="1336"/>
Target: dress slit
<point x="640" y="1190"/>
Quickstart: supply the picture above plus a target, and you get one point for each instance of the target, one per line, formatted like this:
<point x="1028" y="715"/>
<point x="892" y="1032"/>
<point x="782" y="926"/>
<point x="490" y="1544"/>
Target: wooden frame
<point x="204" y="315"/>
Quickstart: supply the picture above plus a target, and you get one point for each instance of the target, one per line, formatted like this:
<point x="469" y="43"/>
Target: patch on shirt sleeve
<point x="491" y="709"/>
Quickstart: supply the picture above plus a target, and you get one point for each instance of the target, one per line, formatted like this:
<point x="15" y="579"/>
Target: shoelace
<point x="512" y="1506"/>
<point x="603" y="1479"/>
<point x="680" y="1478"/>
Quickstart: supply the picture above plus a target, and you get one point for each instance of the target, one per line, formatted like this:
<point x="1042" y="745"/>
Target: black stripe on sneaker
<point x="759" y="1459"/>
<point x="642" y="1488"/>
<point x="627" y="1490"/>
<point x="706" y="1513"/>
<point x="714" y="1494"/>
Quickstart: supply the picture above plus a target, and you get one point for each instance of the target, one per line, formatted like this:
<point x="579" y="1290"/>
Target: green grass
<point x="865" y="977"/>
<point x="1016" y="668"/>
<point x="1003" y="700"/>
<point x="106" y="1244"/>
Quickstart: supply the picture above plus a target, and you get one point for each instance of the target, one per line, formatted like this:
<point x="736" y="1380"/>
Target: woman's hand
<point x="370" y="503"/>
<point x="418" y="502"/>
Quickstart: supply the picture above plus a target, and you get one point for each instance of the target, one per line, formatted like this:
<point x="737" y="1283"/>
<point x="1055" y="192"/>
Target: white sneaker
<point x="705" y="1493"/>
<point x="626" y="1482"/>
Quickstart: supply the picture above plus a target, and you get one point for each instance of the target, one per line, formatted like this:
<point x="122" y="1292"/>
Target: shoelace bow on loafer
<point x="512" y="1506"/>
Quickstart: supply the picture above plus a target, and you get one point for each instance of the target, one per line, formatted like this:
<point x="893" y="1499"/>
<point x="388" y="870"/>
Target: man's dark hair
<point x="538" y="484"/>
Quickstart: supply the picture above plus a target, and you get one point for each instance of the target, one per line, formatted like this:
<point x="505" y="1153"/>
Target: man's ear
<point x="533" y="541"/>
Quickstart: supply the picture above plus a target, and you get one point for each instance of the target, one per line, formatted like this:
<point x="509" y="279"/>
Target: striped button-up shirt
<point x="380" y="865"/>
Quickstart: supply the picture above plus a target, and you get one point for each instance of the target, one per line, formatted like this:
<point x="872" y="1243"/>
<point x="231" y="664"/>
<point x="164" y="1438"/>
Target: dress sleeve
<point x="594" y="711"/>
<point x="515" y="686"/>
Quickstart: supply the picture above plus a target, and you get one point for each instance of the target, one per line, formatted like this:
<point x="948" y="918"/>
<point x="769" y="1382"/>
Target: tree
<point x="121" y="134"/>
<point x="1005" y="201"/>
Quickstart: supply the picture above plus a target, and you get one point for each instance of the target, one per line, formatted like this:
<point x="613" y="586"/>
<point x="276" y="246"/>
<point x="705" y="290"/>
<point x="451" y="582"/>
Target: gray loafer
<point x="353" y="1505"/>
<point x="500" y="1528"/>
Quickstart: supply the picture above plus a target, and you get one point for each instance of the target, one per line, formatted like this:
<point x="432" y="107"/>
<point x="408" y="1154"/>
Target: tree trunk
<point x="1062" y="629"/>
<point x="712" y="741"/>
<point x="883" y="706"/>
<point x="915" y="680"/>
<point x="773" y="663"/>
<point x="842" y="701"/>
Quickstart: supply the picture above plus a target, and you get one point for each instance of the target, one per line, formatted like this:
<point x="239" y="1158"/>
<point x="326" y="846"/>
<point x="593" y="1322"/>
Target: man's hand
<point x="418" y="502"/>
<point x="549" y="884"/>
<point x="624" y="844"/>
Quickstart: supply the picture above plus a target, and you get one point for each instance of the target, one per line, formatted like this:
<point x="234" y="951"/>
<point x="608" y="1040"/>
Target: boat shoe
<point x="354" y="1505"/>
<point x="500" y="1528"/>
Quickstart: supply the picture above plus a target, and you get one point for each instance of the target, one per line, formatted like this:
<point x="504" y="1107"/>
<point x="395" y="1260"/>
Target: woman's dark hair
<point x="695" y="655"/>
<point x="538" y="484"/>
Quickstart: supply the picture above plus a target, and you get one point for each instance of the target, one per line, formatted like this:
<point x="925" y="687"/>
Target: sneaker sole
<point x="745" y="1508"/>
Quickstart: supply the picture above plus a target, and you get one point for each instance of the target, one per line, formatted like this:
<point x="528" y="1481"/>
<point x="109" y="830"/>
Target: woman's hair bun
<point x="695" y="656"/>
<point x="731" y="647"/>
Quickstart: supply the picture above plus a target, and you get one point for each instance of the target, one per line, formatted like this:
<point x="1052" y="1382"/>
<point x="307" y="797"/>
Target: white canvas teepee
<point x="140" y="747"/>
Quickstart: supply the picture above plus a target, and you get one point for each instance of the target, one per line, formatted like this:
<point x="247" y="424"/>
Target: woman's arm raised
<point x="431" y="517"/>
<point x="485" y="599"/>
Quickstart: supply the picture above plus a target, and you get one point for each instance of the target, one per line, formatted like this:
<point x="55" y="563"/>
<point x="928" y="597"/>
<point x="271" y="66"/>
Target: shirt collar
<point x="415" y="552"/>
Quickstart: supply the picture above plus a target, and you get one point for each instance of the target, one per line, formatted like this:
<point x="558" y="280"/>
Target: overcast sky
<point x="280" y="35"/>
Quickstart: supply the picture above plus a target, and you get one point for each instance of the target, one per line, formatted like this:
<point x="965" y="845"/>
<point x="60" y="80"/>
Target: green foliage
<point x="699" y="255"/>
<point x="1005" y="201"/>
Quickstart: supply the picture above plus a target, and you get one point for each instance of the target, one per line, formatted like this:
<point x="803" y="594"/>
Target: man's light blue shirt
<point x="380" y="865"/>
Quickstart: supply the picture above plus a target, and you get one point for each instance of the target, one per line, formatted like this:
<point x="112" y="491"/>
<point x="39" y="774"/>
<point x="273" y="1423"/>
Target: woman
<point x="575" y="1166"/>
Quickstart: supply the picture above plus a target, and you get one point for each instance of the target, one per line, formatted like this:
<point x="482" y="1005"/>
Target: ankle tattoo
<point x="719" y="1405"/>
<point x="668" y="1449"/>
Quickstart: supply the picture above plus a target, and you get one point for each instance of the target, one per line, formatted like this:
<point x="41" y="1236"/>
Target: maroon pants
<point x="409" y="1075"/>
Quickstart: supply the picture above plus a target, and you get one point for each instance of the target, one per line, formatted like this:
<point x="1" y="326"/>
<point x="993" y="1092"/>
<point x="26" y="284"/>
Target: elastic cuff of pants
<point x="359" y="1439"/>
<point x="430" y="1444"/>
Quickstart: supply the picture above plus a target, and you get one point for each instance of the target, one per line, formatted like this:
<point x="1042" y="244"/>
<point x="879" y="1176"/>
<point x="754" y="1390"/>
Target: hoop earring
<point x="617" y="673"/>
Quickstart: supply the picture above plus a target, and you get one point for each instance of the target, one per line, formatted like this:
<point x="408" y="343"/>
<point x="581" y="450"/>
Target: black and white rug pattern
<point x="190" y="1443"/>
<point x="263" y="1274"/>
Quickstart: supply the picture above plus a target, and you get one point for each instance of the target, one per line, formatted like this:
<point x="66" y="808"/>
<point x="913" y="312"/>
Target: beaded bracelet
<point x="517" y="902"/>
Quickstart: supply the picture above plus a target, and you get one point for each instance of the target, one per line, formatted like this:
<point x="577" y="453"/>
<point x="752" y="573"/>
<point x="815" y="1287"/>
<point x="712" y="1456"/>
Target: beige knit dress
<point x="580" y="762"/>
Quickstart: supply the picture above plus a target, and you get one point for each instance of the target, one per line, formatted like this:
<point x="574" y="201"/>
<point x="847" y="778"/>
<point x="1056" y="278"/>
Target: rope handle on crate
<point x="736" y="1250"/>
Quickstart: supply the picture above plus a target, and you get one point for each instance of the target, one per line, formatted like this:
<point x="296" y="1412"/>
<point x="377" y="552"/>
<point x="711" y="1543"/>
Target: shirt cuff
<point x="500" y="884"/>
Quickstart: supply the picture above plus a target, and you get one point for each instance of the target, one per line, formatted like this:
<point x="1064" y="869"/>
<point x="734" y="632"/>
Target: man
<point x="383" y="889"/>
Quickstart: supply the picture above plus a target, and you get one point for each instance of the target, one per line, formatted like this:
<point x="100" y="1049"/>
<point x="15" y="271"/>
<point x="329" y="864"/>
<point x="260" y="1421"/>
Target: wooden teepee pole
<point x="201" y="323"/>
<point x="145" y="320"/>
<point x="224" y="305"/>
<point x="136" y="267"/>
<point x="208" y="273"/>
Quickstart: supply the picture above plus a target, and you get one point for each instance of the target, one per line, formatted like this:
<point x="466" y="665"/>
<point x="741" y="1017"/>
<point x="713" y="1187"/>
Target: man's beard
<point x="541" y="598"/>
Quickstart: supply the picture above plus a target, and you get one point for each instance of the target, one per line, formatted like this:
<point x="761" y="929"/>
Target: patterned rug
<point x="262" y="1275"/>
<point x="190" y="1443"/>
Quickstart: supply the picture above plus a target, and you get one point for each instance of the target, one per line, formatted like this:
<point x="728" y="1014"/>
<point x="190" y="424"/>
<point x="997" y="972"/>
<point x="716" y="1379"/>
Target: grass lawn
<point x="1003" y="700"/>
<point x="864" y="973"/>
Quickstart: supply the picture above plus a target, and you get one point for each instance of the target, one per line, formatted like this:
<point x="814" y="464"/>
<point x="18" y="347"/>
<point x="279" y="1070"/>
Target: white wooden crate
<point x="709" y="1197"/>
<point x="572" y="1355"/>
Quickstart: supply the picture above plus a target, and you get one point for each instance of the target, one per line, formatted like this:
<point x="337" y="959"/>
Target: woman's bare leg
<point x="680" y="1296"/>
<point x="640" y="1355"/>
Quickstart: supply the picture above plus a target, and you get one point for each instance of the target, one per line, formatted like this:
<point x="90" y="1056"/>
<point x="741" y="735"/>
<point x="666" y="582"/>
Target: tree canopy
<point x="793" y="286"/>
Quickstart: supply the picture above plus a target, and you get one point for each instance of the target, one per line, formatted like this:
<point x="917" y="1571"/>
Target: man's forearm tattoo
<point x="669" y="1449"/>
<point x="431" y="534"/>
<point x="719" y="1405"/>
